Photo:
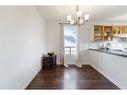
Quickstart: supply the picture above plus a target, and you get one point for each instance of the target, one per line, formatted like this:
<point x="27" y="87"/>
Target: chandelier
<point x="78" y="20"/>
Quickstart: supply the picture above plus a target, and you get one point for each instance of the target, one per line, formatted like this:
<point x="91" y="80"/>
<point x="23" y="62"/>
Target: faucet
<point x="107" y="47"/>
<point x="102" y="46"/>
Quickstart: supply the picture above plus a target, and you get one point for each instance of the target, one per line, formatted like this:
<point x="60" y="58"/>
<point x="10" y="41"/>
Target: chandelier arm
<point x="77" y="9"/>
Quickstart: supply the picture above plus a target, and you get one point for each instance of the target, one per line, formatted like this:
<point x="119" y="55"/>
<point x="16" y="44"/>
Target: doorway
<point x="70" y="45"/>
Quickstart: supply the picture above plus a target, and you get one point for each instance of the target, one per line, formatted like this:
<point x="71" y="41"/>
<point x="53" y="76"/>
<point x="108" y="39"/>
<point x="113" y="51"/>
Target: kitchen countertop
<point x="111" y="51"/>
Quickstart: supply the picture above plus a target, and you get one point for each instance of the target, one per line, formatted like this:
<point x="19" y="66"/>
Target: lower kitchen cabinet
<point x="96" y="58"/>
<point x="114" y="67"/>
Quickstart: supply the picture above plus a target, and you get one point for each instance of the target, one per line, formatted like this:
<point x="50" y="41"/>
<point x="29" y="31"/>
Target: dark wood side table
<point x="49" y="62"/>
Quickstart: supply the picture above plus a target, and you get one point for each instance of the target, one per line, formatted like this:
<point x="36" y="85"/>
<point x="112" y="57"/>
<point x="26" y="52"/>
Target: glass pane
<point x="67" y="49"/>
<point x="73" y="49"/>
<point x="73" y="52"/>
<point x="66" y="52"/>
<point x="70" y="36"/>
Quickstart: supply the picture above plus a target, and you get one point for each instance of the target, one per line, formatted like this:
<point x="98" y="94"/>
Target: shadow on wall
<point x="84" y="56"/>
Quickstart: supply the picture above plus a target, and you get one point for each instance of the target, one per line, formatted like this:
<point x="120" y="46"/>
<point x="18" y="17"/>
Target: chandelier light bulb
<point x="87" y="17"/>
<point x="69" y="18"/>
<point x="71" y="21"/>
<point x="81" y="21"/>
<point x="78" y="14"/>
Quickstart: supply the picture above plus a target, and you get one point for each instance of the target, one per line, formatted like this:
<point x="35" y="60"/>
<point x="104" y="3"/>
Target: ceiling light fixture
<point x="78" y="20"/>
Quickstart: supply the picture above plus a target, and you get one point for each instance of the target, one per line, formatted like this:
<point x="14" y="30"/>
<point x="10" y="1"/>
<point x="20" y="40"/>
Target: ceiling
<point x="97" y="13"/>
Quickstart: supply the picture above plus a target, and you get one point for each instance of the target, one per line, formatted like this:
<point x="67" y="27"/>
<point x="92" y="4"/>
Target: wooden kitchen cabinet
<point x="102" y="33"/>
<point x="98" y="32"/>
<point x="107" y="32"/>
<point x="117" y="29"/>
<point x="124" y="29"/>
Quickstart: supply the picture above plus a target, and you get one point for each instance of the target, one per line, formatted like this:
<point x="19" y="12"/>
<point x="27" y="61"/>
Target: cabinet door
<point x="123" y="29"/>
<point x="108" y="34"/>
<point x="116" y="29"/>
<point x="96" y="58"/>
<point x="98" y="32"/>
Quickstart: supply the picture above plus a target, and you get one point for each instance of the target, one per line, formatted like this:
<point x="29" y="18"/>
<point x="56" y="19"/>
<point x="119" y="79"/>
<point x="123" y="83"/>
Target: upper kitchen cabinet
<point x="124" y="29"/>
<point x="102" y="33"/>
<point x="98" y="32"/>
<point x="119" y="30"/>
<point x="108" y="33"/>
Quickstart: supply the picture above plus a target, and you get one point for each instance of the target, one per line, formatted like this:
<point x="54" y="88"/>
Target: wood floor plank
<point x="71" y="78"/>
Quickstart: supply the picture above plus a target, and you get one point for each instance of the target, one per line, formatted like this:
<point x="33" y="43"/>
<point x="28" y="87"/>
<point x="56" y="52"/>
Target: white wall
<point x="21" y="46"/>
<point x="84" y="32"/>
<point x="110" y="23"/>
<point x="53" y="38"/>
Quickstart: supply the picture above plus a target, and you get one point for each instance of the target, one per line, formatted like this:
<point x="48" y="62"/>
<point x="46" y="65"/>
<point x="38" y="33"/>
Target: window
<point x="70" y="39"/>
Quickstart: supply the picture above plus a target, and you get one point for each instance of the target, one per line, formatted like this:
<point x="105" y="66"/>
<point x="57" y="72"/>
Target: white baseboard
<point x="65" y="65"/>
<point x="29" y="81"/>
<point x="109" y="77"/>
<point x="85" y="63"/>
<point x="59" y="63"/>
<point x="78" y="65"/>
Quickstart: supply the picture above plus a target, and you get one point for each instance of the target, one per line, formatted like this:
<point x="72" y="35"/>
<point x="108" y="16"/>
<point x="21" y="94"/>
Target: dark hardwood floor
<point x="71" y="78"/>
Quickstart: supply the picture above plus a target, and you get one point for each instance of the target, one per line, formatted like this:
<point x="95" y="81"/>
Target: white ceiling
<point x="97" y="13"/>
